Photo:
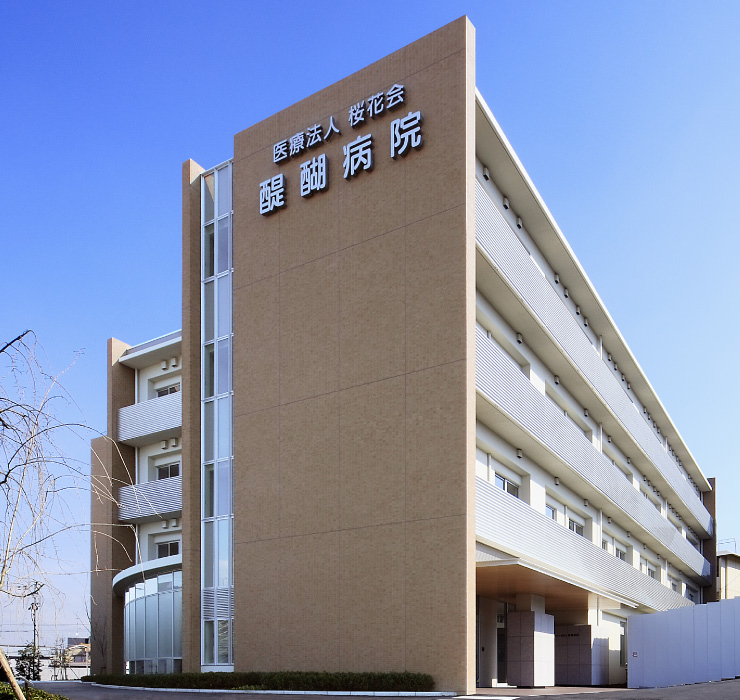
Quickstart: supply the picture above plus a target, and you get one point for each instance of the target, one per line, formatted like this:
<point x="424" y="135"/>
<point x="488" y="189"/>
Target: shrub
<point x="392" y="681"/>
<point x="6" y="693"/>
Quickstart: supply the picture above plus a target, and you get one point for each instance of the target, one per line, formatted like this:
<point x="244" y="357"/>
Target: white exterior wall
<point x="164" y="369"/>
<point x="691" y="645"/>
<point x="157" y="376"/>
<point x="574" y="431"/>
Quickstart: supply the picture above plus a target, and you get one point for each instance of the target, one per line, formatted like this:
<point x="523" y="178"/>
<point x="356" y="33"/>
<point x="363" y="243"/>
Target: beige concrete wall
<point x="354" y="417"/>
<point x="728" y="575"/>
<point x="113" y="546"/>
<point x="191" y="275"/>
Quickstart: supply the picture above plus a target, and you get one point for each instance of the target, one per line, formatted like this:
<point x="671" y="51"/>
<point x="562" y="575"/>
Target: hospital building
<point x="398" y="429"/>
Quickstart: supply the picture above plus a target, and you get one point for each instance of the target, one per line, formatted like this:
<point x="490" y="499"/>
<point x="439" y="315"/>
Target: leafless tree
<point x="35" y="476"/>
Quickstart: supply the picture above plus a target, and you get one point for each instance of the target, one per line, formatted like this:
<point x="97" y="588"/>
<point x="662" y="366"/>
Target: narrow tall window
<point x="216" y="423"/>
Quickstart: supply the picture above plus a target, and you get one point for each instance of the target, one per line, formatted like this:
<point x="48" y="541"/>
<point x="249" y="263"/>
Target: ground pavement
<point x="725" y="690"/>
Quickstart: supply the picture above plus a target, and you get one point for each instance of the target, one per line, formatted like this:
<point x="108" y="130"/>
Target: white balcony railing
<point x="506" y="523"/>
<point x="152" y="420"/>
<point x="151" y="500"/>
<point x="500" y="381"/>
<point x="501" y="245"/>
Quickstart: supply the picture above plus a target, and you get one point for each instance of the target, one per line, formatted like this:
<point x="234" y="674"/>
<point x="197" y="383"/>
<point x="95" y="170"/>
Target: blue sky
<point x="626" y="116"/>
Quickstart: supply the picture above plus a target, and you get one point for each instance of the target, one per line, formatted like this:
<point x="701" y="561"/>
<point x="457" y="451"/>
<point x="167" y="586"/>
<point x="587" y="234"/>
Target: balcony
<point x="150" y="501"/>
<point x="138" y="573"/>
<point x="148" y="421"/>
<point x="500" y="245"/>
<point x="539" y="543"/>
<point x="514" y="404"/>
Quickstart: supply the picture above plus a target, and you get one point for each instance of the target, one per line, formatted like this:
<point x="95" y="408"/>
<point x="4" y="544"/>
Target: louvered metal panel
<point x="502" y="383"/>
<point x="150" y="500"/>
<point x="218" y="603"/>
<point x="152" y="420"/>
<point x="510" y="524"/>
<point x="499" y="242"/>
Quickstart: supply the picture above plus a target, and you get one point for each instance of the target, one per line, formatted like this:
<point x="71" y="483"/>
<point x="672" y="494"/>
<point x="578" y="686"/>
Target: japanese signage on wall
<point x="312" y="172"/>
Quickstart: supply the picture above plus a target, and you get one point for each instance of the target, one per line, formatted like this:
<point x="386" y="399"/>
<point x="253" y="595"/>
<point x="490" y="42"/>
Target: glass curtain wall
<point x="216" y="449"/>
<point x="152" y="623"/>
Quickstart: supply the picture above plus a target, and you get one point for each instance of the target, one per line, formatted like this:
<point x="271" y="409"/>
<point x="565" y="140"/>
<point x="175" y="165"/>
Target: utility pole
<point x="34" y="609"/>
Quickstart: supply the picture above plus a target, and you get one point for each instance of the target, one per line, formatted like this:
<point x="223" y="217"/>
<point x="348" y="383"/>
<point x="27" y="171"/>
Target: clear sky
<point x="626" y="116"/>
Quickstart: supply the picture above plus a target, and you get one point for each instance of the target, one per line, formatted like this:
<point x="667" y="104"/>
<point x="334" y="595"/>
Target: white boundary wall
<point x="688" y="645"/>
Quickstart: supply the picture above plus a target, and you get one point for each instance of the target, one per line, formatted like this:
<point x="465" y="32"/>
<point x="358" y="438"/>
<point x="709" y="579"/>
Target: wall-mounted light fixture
<point x="557" y="379"/>
<point x="557" y="481"/>
<point x="519" y="223"/>
<point x="506" y="203"/>
<point x="557" y="278"/>
<point x="519" y="338"/>
<point x="486" y="173"/>
<point x="519" y="454"/>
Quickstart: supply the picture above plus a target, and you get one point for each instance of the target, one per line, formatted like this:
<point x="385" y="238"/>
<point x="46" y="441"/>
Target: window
<point x="651" y="572"/>
<point x="168" y="470"/>
<point x="605" y="545"/>
<point x="550" y="512"/>
<point x="164" y="391"/>
<point x="692" y="594"/>
<point x="575" y="527"/>
<point x="168" y="549"/>
<point x="506" y="485"/>
<point x="675" y="586"/>
<point x="620" y="553"/>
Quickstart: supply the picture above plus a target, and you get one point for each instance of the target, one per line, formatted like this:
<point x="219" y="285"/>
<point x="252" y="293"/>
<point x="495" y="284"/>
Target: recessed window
<point x="168" y="549"/>
<point x="605" y="545"/>
<point x="620" y="553"/>
<point x="550" y="512"/>
<point x="575" y="527"/>
<point x="167" y="471"/>
<point x="506" y="485"/>
<point x="172" y="389"/>
<point x="692" y="594"/>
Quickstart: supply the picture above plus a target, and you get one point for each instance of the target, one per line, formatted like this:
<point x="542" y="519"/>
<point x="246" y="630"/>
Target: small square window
<point x="506" y="485"/>
<point x="168" y="549"/>
<point x="167" y="471"/>
<point x="575" y="527"/>
<point x="172" y="389"/>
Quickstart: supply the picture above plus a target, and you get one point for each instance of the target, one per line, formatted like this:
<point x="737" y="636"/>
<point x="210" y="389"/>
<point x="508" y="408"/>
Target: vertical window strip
<point x="216" y="397"/>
